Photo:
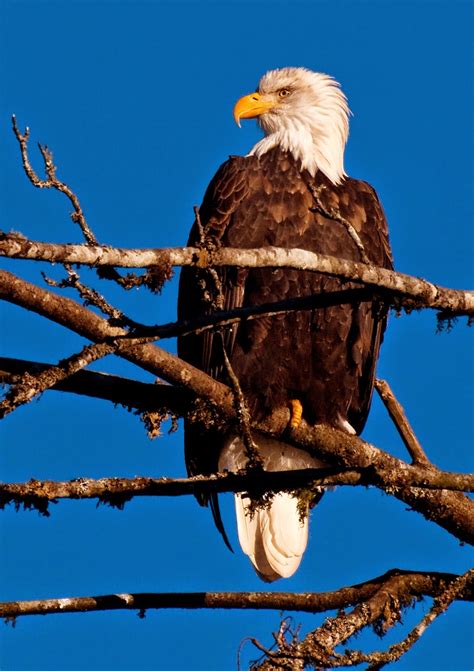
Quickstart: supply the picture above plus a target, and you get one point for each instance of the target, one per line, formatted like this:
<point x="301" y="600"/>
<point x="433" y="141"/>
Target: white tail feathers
<point x="274" y="538"/>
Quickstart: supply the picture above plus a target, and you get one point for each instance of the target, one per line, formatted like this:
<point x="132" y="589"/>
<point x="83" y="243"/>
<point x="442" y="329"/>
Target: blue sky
<point x="135" y="100"/>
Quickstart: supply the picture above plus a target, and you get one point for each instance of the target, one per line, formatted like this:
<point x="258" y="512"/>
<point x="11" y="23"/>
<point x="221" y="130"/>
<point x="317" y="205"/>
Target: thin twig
<point x="200" y="227"/>
<point x="91" y="296"/>
<point x="216" y="295"/>
<point x="397" y="414"/>
<point x="222" y="318"/>
<point x="243" y="414"/>
<point x="52" y="182"/>
<point x="128" y="281"/>
<point x="330" y="213"/>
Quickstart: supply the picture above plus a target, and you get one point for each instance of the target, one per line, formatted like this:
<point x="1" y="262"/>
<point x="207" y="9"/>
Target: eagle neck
<point x="311" y="144"/>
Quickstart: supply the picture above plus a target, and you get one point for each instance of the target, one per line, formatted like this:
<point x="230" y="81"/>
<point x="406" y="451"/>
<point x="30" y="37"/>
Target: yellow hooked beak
<point x="251" y="106"/>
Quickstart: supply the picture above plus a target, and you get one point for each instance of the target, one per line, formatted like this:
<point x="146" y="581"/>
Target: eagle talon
<point x="296" y="410"/>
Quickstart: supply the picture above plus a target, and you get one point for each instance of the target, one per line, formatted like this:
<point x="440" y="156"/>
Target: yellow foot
<point x="296" y="413"/>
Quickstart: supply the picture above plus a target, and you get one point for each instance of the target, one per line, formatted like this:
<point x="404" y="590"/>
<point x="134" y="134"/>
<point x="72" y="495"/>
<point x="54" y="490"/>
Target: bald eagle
<point x="289" y="191"/>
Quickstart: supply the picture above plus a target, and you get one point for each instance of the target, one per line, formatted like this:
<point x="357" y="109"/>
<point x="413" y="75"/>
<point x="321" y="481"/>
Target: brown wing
<point x="363" y="324"/>
<point x="371" y="319"/>
<point x="198" y="292"/>
<point x="197" y="288"/>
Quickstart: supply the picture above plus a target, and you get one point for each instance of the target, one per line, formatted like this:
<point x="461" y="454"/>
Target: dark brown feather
<point x="326" y="357"/>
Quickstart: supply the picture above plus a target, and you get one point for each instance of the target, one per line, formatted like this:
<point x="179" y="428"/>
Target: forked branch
<point x="382" y="609"/>
<point x="451" y="510"/>
<point x="141" y="396"/>
<point x="414" y="583"/>
<point x="52" y="181"/>
<point x="30" y="385"/>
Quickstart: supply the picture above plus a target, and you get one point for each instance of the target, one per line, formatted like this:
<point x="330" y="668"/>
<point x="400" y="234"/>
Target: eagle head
<point x="304" y="113"/>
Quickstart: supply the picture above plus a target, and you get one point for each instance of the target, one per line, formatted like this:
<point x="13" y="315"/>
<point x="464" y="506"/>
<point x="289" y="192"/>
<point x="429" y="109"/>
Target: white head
<point x="303" y="112"/>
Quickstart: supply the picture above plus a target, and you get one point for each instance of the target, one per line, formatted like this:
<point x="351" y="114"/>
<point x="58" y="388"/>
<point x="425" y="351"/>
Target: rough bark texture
<point x="397" y="414"/>
<point x="451" y="510"/>
<point x="122" y="489"/>
<point x="70" y="314"/>
<point x="415" y="583"/>
<point x="382" y="609"/>
<point x="32" y="385"/>
<point x="119" y="390"/>
<point x="424" y="293"/>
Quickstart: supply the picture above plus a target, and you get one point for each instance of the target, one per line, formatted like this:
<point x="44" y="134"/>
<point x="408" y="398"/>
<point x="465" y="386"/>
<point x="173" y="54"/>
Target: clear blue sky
<point x="135" y="99"/>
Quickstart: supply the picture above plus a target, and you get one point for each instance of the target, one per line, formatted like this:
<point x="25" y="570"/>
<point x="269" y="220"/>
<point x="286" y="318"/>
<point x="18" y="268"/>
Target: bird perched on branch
<point x="290" y="191"/>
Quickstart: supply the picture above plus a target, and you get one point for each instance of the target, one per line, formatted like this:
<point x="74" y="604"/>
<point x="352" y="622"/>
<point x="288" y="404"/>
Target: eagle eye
<point x="284" y="93"/>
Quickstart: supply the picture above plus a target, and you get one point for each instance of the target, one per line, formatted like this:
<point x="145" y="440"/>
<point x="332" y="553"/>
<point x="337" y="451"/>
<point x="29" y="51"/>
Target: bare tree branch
<point x="89" y="295"/>
<point x="223" y="318"/>
<point x="70" y="314"/>
<point x="29" y="386"/>
<point x="441" y="604"/>
<point x="144" y="396"/>
<point x="243" y="415"/>
<point x="415" y="584"/>
<point x="336" y="216"/>
<point x="218" y="319"/>
<point x="52" y="182"/>
<point x="451" y="510"/>
<point x="382" y="609"/>
<point x="154" y="281"/>
<point x="424" y="293"/>
<point x="116" y="491"/>
<point x="119" y="390"/>
<point x="397" y="414"/>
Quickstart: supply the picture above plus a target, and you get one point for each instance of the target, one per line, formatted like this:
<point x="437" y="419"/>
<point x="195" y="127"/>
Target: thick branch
<point x="415" y="583"/>
<point x="424" y="293"/>
<point x="148" y="397"/>
<point x="70" y="314"/>
<point x="451" y="510"/>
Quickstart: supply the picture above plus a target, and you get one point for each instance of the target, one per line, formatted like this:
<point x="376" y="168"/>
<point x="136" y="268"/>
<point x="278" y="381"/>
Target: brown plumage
<point x="323" y="357"/>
